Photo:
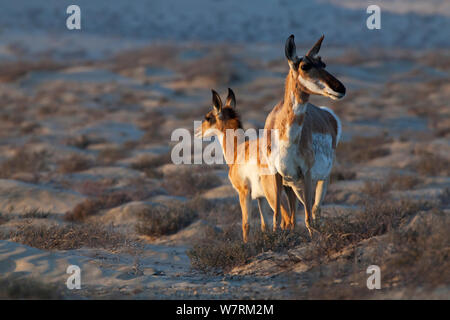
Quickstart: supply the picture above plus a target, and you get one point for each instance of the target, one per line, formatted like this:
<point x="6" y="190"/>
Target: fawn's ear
<point x="216" y="101"/>
<point x="231" y="99"/>
<point x="316" y="47"/>
<point x="291" y="53"/>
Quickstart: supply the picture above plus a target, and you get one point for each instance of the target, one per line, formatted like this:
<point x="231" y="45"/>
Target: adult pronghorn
<point x="247" y="170"/>
<point x="308" y="135"/>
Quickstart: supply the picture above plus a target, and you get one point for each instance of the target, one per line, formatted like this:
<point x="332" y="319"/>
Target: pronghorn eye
<point x="306" y="67"/>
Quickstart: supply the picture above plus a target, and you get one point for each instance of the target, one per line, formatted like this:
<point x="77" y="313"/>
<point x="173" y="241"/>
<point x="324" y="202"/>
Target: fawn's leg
<point x="246" y="203"/>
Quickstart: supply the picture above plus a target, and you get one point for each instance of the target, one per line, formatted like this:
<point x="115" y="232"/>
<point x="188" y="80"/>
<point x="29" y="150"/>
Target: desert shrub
<point x="111" y="155"/>
<point x="74" y="163"/>
<point x="36" y="214"/>
<point x="445" y="197"/>
<point x="339" y="173"/>
<point x="66" y="237"/>
<point x="402" y="182"/>
<point x="4" y="218"/>
<point x="80" y="142"/>
<point x="148" y="165"/>
<point x="361" y="149"/>
<point x="94" y="188"/>
<point x="151" y="123"/>
<point x="90" y="207"/>
<point x="165" y="219"/>
<point x="376" y="189"/>
<point x="420" y="255"/>
<point x="378" y="217"/>
<point x="16" y="288"/>
<point x="190" y="181"/>
<point x="432" y="165"/>
<point x="24" y="161"/>
<point x="220" y="252"/>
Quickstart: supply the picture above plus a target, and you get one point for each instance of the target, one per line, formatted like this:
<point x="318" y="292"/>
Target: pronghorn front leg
<point x="321" y="190"/>
<point x="278" y="186"/>
<point x="245" y="202"/>
<point x="292" y="200"/>
<point x="261" y="214"/>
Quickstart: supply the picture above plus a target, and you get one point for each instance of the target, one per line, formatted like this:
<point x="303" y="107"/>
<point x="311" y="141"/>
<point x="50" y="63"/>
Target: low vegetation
<point x="66" y="237"/>
<point x="24" y="161"/>
<point x="190" y="181"/>
<point x="13" y="288"/>
<point x="165" y="219"/>
<point x="90" y="207"/>
<point x="361" y="149"/>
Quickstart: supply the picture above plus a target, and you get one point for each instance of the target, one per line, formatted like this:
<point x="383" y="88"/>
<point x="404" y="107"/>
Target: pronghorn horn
<point x="231" y="99"/>
<point x="217" y="102"/>
<point x="315" y="49"/>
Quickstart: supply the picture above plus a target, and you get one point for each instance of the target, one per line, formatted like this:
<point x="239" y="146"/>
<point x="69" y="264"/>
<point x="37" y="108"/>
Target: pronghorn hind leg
<point x="261" y="214"/>
<point x="321" y="190"/>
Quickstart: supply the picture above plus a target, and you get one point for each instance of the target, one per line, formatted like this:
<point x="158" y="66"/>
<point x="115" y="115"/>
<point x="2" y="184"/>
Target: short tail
<point x="338" y="121"/>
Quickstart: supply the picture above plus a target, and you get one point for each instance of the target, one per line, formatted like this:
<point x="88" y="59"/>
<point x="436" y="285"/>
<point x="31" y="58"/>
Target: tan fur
<point x="269" y="183"/>
<point x="312" y="119"/>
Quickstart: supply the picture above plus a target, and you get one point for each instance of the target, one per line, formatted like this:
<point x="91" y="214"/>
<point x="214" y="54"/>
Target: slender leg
<point x="306" y="197"/>
<point x="246" y="203"/>
<point x="261" y="214"/>
<point x="321" y="190"/>
<point x="278" y="184"/>
<point x="292" y="200"/>
<point x="270" y="191"/>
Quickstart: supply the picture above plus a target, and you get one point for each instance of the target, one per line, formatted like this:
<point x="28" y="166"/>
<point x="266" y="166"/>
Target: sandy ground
<point x="116" y="102"/>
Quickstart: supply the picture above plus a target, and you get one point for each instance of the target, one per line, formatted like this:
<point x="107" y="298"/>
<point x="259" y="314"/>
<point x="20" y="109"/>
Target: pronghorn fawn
<point x="308" y="135"/>
<point x="247" y="172"/>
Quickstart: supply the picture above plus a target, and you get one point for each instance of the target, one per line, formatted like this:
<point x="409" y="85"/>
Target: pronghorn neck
<point x="222" y="136"/>
<point x="295" y="98"/>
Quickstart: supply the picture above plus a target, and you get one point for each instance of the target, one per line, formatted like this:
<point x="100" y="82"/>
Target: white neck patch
<point x="298" y="108"/>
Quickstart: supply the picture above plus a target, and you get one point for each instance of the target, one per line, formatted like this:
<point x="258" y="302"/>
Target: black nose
<point x="340" y="88"/>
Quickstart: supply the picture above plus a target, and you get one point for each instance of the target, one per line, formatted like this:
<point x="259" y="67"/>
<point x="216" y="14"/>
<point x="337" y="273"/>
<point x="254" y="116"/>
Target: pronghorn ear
<point x="315" y="49"/>
<point x="231" y="99"/>
<point x="291" y="53"/>
<point x="216" y="101"/>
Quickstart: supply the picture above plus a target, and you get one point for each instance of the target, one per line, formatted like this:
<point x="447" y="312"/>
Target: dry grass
<point x="339" y="173"/>
<point x="15" y="288"/>
<point x="220" y="252"/>
<point x="74" y="163"/>
<point x="362" y="149"/>
<point x="189" y="181"/>
<point x="376" y="189"/>
<point x="90" y="207"/>
<point x="149" y="165"/>
<point x="416" y="258"/>
<point x="111" y="155"/>
<point x="24" y="161"/>
<point x="402" y="182"/>
<point x="432" y="165"/>
<point x="165" y="219"/>
<point x="66" y="237"/>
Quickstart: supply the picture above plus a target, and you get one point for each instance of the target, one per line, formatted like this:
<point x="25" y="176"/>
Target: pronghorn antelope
<point x="308" y="135"/>
<point x="246" y="175"/>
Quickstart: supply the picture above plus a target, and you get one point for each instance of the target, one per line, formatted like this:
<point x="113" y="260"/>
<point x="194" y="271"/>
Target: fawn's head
<point x="221" y="117"/>
<point x="309" y="71"/>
